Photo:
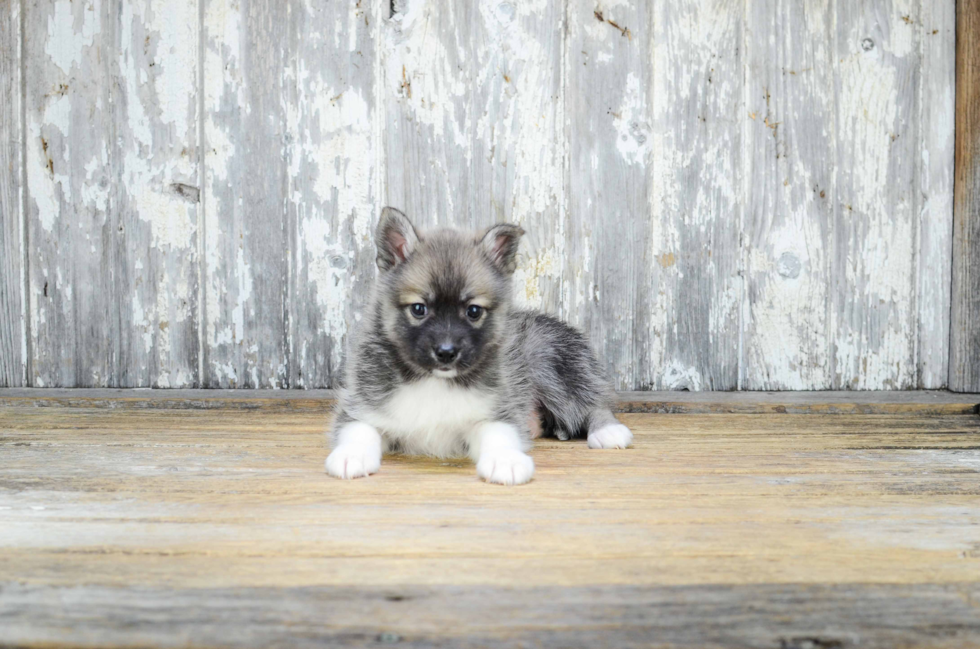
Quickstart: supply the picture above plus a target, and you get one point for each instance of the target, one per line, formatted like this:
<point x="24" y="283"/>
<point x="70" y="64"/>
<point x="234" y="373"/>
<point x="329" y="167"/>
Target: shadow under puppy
<point x="443" y="365"/>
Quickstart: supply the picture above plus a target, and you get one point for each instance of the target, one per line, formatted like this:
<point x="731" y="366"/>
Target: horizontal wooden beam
<point x="765" y="615"/>
<point x="923" y="402"/>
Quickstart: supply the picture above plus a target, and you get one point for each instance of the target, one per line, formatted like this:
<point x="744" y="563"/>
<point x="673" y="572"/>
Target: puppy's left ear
<point x="500" y="243"/>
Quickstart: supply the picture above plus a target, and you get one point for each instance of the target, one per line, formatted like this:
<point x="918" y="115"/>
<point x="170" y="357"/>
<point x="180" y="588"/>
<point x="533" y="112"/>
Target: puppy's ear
<point x="500" y="243"/>
<point x="395" y="238"/>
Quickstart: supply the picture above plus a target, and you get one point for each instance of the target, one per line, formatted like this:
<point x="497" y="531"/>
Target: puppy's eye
<point x="473" y="312"/>
<point x="418" y="310"/>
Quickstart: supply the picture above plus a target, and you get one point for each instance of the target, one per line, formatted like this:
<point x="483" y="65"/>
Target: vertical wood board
<point x="473" y="132"/>
<point x="155" y="193"/>
<point x="246" y="265"/>
<point x="789" y="195"/>
<point x="610" y="285"/>
<point x="333" y="142"/>
<point x="13" y="325"/>
<point x="936" y="148"/>
<point x="874" y="318"/>
<point x="69" y="57"/>
<point x="697" y="200"/>
<point x="964" y="364"/>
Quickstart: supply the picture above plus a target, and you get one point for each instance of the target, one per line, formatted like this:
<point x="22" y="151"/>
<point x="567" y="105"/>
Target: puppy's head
<point x="444" y="296"/>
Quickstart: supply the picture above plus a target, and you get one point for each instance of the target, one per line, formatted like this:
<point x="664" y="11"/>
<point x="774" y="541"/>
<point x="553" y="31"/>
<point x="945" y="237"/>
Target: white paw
<point x="611" y="436"/>
<point x="505" y="466"/>
<point x="353" y="460"/>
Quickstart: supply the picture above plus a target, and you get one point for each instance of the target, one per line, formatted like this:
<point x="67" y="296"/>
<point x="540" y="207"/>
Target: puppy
<point x="444" y="365"/>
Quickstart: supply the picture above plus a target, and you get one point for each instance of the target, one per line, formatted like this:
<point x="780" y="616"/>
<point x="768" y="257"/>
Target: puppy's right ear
<point x="395" y="238"/>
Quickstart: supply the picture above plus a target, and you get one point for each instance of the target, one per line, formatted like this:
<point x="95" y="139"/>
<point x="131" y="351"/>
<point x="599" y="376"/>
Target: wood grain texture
<point x="70" y="55"/>
<point x="789" y="193"/>
<point x="715" y="530"/>
<point x="937" y="106"/>
<point x="13" y="325"/>
<point x="696" y="206"/>
<point x="875" y="327"/>
<point x="610" y="282"/>
<point x="333" y="140"/>
<point x="789" y="616"/>
<point x="155" y="194"/>
<point x="112" y="174"/>
<point x="964" y="364"/>
<point x="246" y="232"/>
<point x="723" y="195"/>
<point x="473" y="132"/>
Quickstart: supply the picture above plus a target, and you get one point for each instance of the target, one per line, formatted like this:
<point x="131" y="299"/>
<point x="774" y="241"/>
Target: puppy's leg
<point x="606" y="432"/>
<point x="356" y="452"/>
<point x="499" y="453"/>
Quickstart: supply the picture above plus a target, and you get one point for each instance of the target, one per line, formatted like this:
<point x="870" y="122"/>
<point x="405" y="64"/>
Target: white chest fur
<point x="433" y="416"/>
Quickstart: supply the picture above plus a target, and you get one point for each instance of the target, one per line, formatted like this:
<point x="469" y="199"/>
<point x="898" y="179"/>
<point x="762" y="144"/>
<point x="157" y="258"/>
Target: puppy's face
<point x="445" y="296"/>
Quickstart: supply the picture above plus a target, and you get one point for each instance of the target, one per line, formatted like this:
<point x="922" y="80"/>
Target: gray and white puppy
<point x="444" y="365"/>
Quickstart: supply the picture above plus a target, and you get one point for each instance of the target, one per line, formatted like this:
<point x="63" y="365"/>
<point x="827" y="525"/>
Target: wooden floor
<point x="143" y="526"/>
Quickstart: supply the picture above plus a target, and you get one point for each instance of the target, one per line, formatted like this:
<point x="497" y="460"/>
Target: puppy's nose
<point x="446" y="353"/>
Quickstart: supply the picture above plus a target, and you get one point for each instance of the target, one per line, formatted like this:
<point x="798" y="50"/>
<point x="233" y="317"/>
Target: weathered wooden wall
<point x="752" y="195"/>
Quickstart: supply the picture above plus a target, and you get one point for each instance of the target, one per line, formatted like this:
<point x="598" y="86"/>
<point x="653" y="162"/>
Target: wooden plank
<point x="13" y="325"/>
<point x="696" y="199"/>
<point x="223" y="525"/>
<point x="936" y="146"/>
<point x="333" y="177"/>
<point x="925" y="403"/>
<point x="246" y="232"/>
<point x="873" y="319"/>
<point x="612" y="289"/>
<point x="964" y="364"/>
<point x="321" y="401"/>
<point x="155" y="194"/>
<point x="69" y="63"/>
<point x="789" y="193"/>
<point x="473" y="125"/>
<point x="694" y="492"/>
<point x="788" y="616"/>
<point x="920" y="402"/>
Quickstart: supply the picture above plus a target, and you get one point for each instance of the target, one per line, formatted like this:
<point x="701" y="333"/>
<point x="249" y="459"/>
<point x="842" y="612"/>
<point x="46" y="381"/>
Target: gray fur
<point x="531" y="363"/>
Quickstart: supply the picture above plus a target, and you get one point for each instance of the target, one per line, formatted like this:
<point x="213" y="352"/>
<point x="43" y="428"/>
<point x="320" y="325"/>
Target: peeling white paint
<point x="483" y="121"/>
<point x="42" y="184"/>
<point x="677" y="376"/>
<point x="326" y="268"/>
<point x="527" y="278"/>
<point x="175" y="62"/>
<point x="65" y="43"/>
<point x="172" y="224"/>
<point x="43" y="176"/>
<point x="423" y="72"/>
<point x="633" y="137"/>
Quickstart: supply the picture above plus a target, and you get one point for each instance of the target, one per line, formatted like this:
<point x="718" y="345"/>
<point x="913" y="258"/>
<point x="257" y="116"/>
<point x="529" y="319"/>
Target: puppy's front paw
<point x="611" y="436"/>
<point x="505" y="466"/>
<point x="352" y="460"/>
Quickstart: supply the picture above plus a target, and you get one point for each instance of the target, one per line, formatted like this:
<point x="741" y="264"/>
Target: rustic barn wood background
<point x="752" y="194"/>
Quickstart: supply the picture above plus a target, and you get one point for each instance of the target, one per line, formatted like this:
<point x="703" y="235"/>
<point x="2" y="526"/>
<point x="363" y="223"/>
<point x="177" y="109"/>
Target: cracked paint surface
<point x="722" y="195"/>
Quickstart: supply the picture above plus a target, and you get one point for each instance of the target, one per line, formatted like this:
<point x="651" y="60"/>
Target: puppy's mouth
<point x="445" y="372"/>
